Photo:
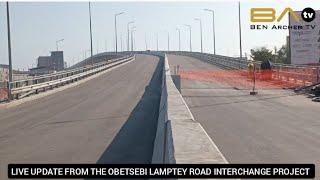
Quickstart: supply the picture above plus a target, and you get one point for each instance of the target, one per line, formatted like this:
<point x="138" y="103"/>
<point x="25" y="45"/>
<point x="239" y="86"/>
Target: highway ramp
<point x="109" y="119"/>
<point x="276" y="126"/>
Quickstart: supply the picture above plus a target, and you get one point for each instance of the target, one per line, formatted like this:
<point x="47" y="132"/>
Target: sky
<point x="36" y="26"/>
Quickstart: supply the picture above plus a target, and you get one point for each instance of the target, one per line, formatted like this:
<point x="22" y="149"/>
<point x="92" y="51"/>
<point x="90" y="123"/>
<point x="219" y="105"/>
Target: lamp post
<point x="106" y="45"/>
<point x="121" y="43"/>
<point x="9" y="52"/>
<point x="57" y="43"/>
<point x="132" y="39"/>
<point x="240" y="40"/>
<point x="179" y="38"/>
<point x="115" y="29"/>
<point x="90" y="33"/>
<point x="197" y="19"/>
<point x="213" y="30"/>
<point x="128" y="39"/>
<point x="97" y="47"/>
<point x="168" y="41"/>
<point x="189" y="36"/>
<point x="145" y="41"/>
<point x="157" y="42"/>
<point x="132" y="29"/>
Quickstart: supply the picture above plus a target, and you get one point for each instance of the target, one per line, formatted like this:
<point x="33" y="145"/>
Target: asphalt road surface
<point x="110" y="119"/>
<point x="276" y="126"/>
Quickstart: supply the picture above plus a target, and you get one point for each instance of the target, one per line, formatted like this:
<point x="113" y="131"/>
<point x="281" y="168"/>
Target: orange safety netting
<point x="3" y="94"/>
<point x="242" y="79"/>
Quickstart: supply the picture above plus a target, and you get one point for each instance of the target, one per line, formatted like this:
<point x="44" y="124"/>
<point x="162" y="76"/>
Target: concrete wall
<point x="179" y="138"/>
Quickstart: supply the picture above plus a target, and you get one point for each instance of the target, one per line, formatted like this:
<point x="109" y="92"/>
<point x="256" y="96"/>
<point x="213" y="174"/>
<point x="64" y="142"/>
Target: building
<point x="4" y="75"/>
<point x="57" y="60"/>
<point x="47" y="64"/>
<point x="4" y="72"/>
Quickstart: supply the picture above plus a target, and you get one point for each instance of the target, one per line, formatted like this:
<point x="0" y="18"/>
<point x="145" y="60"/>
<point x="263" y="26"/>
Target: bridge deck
<point x="276" y="126"/>
<point x="110" y="119"/>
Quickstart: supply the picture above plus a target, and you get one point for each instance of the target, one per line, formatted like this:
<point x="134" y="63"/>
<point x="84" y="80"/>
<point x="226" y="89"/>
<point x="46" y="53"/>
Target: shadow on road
<point x="134" y="142"/>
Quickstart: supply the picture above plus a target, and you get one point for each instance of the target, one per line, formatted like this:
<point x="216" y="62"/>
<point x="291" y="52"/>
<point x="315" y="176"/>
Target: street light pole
<point x="157" y="43"/>
<point x="106" y="45"/>
<point x="132" y="39"/>
<point x="115" y="29"/>
<point x="240" y="40"/>
<point x="90" y="33"/>
<point x="128" y="29"/>
<point x="168" y="41"/>
<point x="189" y="36"/>
<point x="132" y="29"/>
<point x="179" y="39"/>
<point x="9" y="53"/>
<point x="97" y="47"/>
<point x="145" y="41"/>
<point x="197" y="19"/>
<point x="121" y="42"/>
<point x="213" y="30"/>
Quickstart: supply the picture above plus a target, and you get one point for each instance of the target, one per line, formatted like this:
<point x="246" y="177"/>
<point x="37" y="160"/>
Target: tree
<point x="282" y="56"/>
<point x="262" y="54"/>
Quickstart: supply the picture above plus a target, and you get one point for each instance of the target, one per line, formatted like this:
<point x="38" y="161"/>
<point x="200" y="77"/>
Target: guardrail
<point x="301" y="74"/>
<point x="46" y="77"/>
<point x="33" y="85"/>
<point x="222" y="61"/>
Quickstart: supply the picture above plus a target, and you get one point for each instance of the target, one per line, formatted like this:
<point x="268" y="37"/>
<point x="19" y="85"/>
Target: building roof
<point x="44" y="57"/>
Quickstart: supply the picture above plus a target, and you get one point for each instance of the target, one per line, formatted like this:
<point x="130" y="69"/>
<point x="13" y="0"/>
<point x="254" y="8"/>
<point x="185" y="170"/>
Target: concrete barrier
<point x="179" y="138"/>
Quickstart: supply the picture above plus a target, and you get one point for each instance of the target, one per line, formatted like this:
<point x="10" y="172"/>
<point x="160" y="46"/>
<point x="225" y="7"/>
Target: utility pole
<point x="157" y="43"/>
<point x="128" y="36"/>
<point x="115" y="29"/>
<point x="189" y="36"/>
<point x="197" y="19"/>
<point x="9" y="53"/>
<point x="213" y="30"/>
<point x="179" y="39"/>
<point x="90" y="33"/>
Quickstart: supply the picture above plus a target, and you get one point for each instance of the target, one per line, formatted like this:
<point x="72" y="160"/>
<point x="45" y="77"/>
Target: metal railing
<point x="33" y="85"/>
<point x="221" y="61"/>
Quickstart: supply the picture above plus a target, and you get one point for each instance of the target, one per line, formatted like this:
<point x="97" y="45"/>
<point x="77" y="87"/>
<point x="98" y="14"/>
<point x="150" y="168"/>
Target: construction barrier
<point x="3" y="91"/>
